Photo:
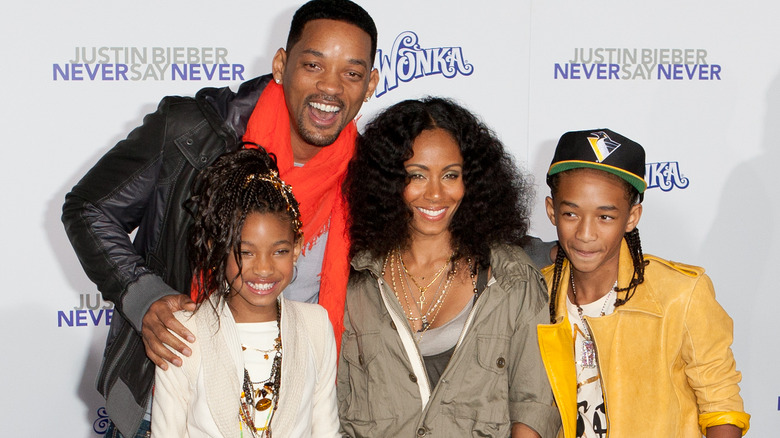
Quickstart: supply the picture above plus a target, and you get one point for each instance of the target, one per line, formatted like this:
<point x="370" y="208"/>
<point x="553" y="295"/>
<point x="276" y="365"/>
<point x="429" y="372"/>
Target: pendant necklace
<point x="259" y="396"/>
<point x="423" y="289"/>
<point x="588" y="359"/>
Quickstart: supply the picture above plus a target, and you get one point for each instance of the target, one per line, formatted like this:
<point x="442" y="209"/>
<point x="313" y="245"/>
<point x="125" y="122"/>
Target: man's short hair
<point x="340" y="10"/>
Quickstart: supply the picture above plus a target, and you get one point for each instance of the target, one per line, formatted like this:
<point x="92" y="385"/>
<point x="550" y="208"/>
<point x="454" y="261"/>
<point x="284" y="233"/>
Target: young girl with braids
<point x="262" y="364"/>
<point x="637" y="345"/>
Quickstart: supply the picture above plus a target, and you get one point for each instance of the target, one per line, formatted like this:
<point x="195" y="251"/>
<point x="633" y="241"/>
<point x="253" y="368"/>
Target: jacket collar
<point x="228" y="112"/>
<point x="644" y="300"/>
<point x="363" y="261"/>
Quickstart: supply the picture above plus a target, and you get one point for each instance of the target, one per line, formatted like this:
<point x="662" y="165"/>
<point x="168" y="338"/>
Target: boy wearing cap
<point x="637" y="345"/>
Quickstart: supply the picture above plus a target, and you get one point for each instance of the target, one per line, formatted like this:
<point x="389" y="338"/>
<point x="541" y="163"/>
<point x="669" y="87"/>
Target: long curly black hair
<point x="495" y="206"/>
<point x="237" y="184"/>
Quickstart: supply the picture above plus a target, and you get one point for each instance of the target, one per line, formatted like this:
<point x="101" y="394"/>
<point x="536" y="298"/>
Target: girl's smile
<point x="268" y="253"/>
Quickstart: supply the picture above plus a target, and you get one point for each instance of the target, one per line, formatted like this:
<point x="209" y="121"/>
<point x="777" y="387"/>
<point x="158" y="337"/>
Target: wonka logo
<point x="665" y="176"/>
<point x="91" y="311"/>
<point x="100" y="426"/>
<point x="407" y="61"/>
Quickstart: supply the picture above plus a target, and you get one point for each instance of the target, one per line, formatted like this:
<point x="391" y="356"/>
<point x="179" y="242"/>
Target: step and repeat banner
<point x="697" y="83"/>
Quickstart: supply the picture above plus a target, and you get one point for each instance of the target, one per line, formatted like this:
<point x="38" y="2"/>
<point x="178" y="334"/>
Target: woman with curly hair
<point x="442" y="304"/>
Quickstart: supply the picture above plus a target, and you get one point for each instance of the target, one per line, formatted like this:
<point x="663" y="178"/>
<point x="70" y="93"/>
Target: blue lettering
<point x="75" y="69"/>
<point x="665" y="176"/>
<point x="108" y="72"/>
<point x="691" y="72"/>
<point x="238" y="72"/>
<point x="121" y="70"/>
<point x="209" y="74"/>
<point x="62" y="316"/>
<point x="194" y="72"/>
<point x="588" y="73"/>
<point x="715" y="71"/>
<point x="703" y="72"/>
<point x="95" y="321"/>
<point x="92" y="73"/>
<point x="575" y="71"/>
<point x="81" y="318"/>
<point x="181" y="71"/>
<point x="224" y="72"/>
<point x="667" y="72"/>
<point x="64" y="74"/>
<point x="564" y="71"/>
<point x="601" y="71"/>
<point x="614" y="69"/>
<point x="677" y="72"/>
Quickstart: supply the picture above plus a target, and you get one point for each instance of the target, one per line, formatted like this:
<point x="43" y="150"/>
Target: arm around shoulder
<point x="108" y="203"/>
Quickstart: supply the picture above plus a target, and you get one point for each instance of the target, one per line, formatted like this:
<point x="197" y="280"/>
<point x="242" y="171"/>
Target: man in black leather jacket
<point x="143" y="182"/>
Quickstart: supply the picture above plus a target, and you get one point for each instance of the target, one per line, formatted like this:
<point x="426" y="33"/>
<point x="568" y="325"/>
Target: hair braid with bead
<point x="236" y="185"/>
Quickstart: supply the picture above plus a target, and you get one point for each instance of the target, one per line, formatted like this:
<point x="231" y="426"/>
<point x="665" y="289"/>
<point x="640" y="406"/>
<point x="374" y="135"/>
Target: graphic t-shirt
<point x="591" y="414"/>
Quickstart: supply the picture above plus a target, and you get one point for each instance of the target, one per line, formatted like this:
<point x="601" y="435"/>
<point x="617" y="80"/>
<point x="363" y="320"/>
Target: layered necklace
<point x="415" y="309"/>
<point x="259" y="396"/>
<point x="588" y="359"/>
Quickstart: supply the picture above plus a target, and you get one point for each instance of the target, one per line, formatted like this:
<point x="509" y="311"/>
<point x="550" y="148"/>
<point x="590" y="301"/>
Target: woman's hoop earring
<point x="227" y="288"/>
<point x="295" y="273"/>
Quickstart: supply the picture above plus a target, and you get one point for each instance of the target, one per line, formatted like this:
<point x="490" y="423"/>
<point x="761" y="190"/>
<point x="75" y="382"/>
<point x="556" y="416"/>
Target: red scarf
<point x="317" y="187"/>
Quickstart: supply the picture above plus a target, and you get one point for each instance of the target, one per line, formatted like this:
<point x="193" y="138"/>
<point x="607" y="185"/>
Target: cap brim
<point x="638" y="183"/>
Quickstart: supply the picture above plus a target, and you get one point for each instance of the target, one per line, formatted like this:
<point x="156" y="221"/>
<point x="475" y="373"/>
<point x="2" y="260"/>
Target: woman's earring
<point x="227" y="288"/>
<point x="295" y="273"/>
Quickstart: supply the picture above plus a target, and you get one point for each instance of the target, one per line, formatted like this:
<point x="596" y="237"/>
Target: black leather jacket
<point x="142" y="183"/>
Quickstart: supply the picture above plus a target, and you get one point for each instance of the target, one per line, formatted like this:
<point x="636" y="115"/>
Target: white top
<point x="201" y="398"/>
<point x="590" y="398"/>
<point x="259" y="336"/>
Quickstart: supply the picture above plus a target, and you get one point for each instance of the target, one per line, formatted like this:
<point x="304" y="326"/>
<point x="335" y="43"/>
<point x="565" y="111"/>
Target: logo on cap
<point x="602" y="145"/>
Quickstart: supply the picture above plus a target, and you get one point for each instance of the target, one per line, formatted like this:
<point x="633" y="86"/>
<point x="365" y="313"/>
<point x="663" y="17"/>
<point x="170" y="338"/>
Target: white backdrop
<point x="697" y="83"/>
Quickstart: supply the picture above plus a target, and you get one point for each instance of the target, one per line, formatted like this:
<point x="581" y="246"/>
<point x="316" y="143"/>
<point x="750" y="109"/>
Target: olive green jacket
<point x="495" y="376"/>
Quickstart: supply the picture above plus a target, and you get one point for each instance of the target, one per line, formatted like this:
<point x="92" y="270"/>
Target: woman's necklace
<point x="265" y="395"/>
<point x="423" y="289"/>
<point x="411" y="307"/>
<point x="588" y="359"/>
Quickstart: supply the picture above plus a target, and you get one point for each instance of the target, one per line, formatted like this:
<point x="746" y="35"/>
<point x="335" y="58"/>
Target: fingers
<point x="158" y="327"/>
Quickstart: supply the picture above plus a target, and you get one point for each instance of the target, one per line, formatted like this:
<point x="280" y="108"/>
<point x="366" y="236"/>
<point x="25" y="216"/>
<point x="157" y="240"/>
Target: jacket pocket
<point x="480" y="401"/>
<point x="357" y="402"/>
<point x="493" y="353"/>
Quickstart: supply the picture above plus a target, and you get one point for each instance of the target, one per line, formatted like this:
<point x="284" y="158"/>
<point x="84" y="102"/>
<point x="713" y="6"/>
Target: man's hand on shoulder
<point x="157" y="325"/>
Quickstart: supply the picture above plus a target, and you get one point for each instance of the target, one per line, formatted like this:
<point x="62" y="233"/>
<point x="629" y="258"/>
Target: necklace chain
<point x="398" y="270"/>
<point x="588" y="357"/>
<point x="579" y="308"/>
<point x="425" y="288"/>
<point x="254" y="400"/>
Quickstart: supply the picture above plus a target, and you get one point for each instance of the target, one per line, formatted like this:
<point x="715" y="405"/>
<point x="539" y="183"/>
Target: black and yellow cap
<point x="601" y="149"/>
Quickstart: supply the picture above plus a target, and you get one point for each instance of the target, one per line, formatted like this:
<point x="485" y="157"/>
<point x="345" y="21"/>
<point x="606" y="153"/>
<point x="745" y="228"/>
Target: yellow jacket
<point x="665" y="357"/>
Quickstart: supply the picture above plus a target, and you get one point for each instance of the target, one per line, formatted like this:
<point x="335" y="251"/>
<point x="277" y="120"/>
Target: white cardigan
<point x="201" y="398"/>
